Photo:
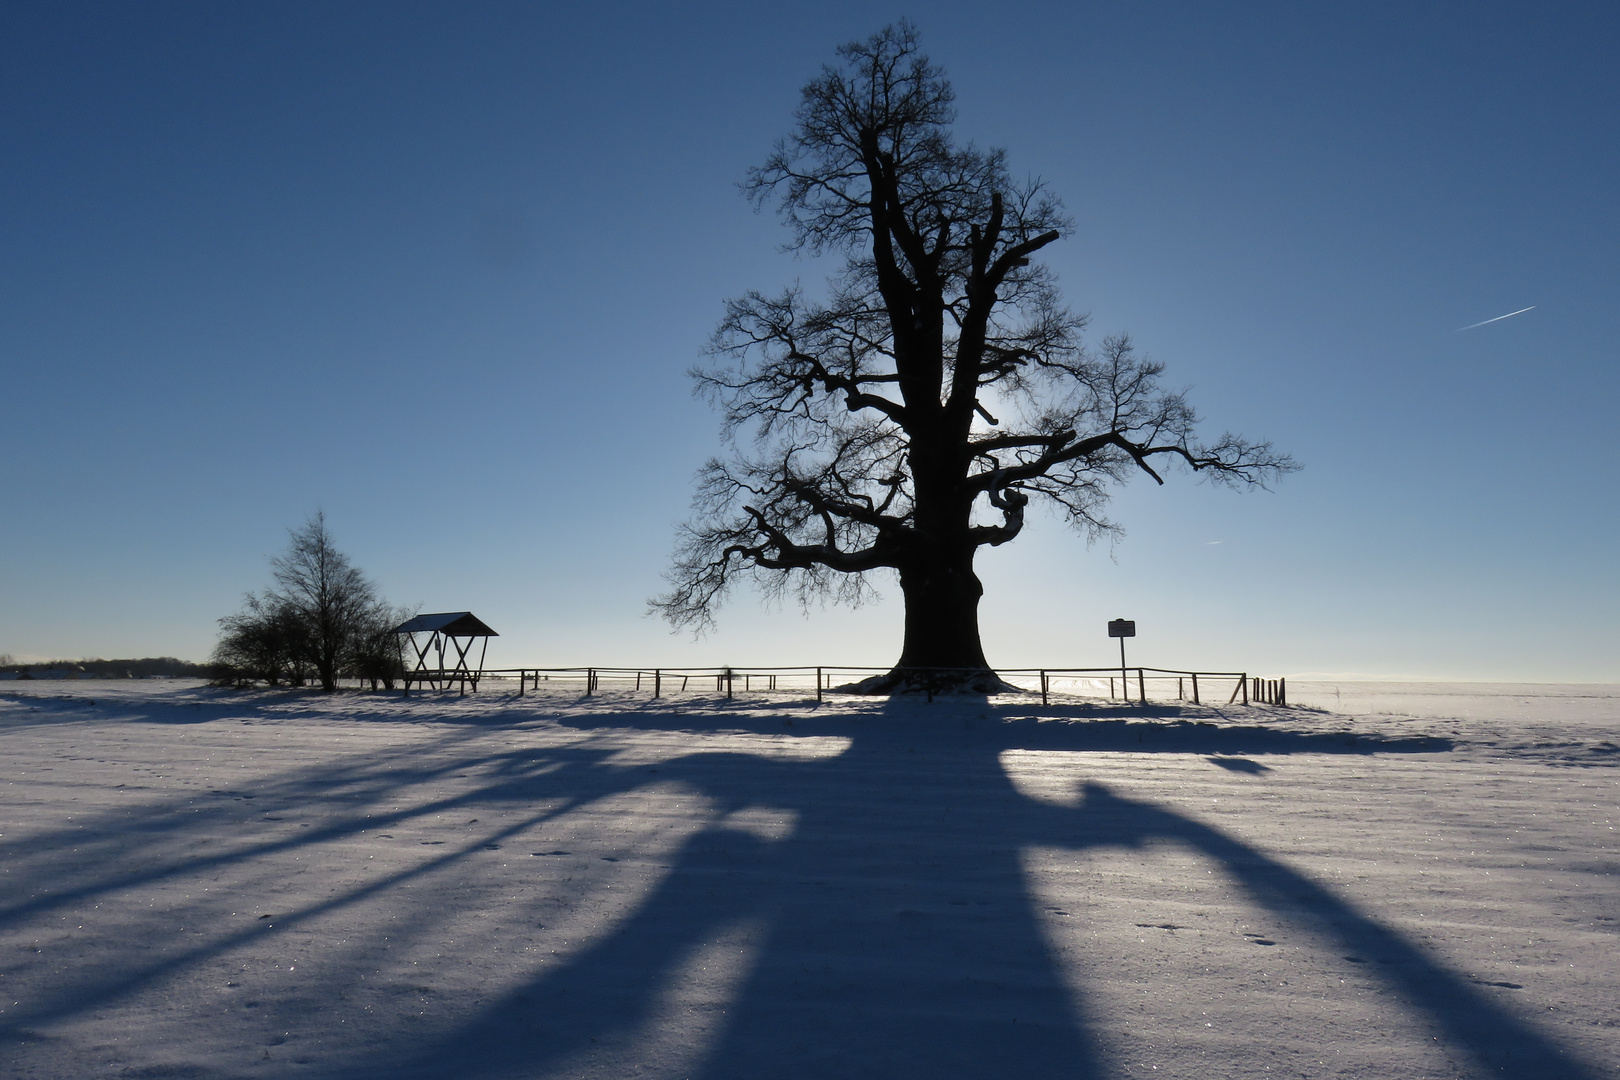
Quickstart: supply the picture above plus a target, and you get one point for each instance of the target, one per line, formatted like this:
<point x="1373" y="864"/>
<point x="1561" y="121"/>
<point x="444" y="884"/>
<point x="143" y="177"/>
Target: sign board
<point x="1122" y="628"/>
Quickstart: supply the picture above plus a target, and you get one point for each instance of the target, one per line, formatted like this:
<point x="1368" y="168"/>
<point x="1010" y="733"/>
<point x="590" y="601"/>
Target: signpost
<point x="1122" y="629"/>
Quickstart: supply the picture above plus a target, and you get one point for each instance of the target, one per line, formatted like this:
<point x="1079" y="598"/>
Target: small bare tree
<point x="323" y="615"/>
<point x="329" y="598"/>
<point x="907" y="419"/>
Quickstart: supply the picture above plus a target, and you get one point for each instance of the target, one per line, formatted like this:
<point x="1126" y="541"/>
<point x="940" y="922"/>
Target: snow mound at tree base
<point x="932" y="683"/>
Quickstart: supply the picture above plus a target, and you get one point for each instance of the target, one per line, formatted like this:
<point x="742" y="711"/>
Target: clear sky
<point x="439" y="270"/>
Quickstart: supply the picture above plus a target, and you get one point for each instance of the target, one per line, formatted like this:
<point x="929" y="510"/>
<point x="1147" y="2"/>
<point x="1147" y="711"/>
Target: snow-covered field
<point x="204" y="883"/>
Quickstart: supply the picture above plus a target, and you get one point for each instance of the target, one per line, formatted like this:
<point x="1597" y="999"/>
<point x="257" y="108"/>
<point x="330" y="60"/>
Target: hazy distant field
<point x="1396" y="880"/>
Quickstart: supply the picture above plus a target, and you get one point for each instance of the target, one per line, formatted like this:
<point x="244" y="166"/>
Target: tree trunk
<point x="942" y="653"/>
<point x="942" y="615"/>
<point x="326" y="670"/>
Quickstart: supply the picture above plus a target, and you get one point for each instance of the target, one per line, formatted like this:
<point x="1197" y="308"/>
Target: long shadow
<point x="1496" y="1041"/>
<point x="898" y="886"/>
<point x="901" y="890"/>
<point x="77" y="867"/>
<point x="1165" y="728"/>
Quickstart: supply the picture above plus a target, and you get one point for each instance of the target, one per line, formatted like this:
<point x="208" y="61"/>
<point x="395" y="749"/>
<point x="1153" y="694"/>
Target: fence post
<point x="522" y="680"/>
<point x="658" y="682"/>
<point x="590" y="680"/>
<point x="1282" y="692"/>
<point x="818" y="684"/>
<point x="1195" y="688"/>
<point x="1141" y="685"/>
<point x="1043" y="688"/>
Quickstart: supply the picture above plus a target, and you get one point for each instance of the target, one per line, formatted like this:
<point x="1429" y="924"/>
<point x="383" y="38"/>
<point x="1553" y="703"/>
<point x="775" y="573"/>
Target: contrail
<point x="1499" y="318"/>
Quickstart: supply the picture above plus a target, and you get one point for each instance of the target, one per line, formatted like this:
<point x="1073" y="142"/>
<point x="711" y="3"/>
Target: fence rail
<point x="1131" y="683"/>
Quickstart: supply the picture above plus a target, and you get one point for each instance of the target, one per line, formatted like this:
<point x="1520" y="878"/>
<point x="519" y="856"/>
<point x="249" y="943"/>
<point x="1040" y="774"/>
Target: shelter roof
<point x="449" y="623"/>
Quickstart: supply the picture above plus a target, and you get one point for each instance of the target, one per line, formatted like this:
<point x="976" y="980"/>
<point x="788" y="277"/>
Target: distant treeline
<point x="144" y="668"/>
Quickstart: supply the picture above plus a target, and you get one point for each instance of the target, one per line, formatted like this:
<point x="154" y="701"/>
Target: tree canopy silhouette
<point x="906" y="419"/>
<point x="323" y="619"/>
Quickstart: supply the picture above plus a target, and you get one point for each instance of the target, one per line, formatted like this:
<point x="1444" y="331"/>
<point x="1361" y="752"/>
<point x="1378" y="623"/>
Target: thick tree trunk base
<point x="933" y="682"/>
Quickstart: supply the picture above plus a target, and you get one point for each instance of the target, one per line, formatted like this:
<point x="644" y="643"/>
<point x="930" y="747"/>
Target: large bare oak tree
<point x="906" y="419"/>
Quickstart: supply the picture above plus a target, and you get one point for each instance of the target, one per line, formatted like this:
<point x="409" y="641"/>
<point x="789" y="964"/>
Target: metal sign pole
<point x="1122" y="629"/>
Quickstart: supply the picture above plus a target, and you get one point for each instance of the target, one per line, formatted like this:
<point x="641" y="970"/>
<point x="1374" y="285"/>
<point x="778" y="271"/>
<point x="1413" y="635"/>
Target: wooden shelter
<point x="449" y="637"/>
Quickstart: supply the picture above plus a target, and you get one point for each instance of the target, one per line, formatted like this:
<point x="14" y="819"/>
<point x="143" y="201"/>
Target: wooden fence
<point x="1140" y="684"/>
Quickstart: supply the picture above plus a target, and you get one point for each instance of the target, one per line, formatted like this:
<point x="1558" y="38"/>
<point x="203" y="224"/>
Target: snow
<point x="206" y="883"/>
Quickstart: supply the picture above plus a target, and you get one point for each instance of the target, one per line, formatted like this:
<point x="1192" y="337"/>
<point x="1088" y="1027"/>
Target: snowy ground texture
<point x="210" y="884"/>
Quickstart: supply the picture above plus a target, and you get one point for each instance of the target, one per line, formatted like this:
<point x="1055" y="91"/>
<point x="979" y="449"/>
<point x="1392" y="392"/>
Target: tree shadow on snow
<point x="888" y="930"/>
<point x="897" y="935"/>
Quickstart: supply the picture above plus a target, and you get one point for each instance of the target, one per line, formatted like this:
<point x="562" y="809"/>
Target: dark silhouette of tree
<point x="142" y="668"/>
<point x="380" y="653"/>
<point x="262" y="642"/>
<point x="905" y="420"/>
<point x="322" y="618"/>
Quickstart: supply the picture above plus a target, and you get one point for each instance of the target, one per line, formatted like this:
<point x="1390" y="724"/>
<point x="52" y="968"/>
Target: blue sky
<point x="438" y="270"/>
